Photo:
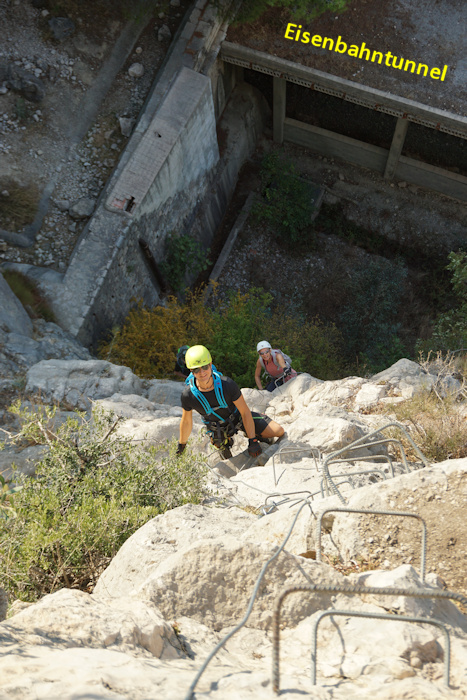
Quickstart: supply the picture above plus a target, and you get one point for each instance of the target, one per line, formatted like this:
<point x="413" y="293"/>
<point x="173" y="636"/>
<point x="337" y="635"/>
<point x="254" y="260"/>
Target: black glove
<point x="287" y="371"/>
<point x="180" y="448"/>
<point x="254" y="448"/>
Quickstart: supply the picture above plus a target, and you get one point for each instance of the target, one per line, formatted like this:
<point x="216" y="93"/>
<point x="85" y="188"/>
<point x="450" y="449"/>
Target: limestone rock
<point x="73" y="618"/>
<point x="141" y="555"/>
<point x="164" y="33"/>
<point x="213" y="581"/>
<point x="136" y="70"/>
<point x="77" y="382"/>
<point x="126" y="126"/>
<point x="328" y="430"/>
<point x="368" y="395"/>
<point x="13" y="317"/>
<point x="22" y="82"/>
<point x="22" y="460"/>
<point x="405" y="374"/>
<point x="165" y="391"/>
<point x="82" y="208"/>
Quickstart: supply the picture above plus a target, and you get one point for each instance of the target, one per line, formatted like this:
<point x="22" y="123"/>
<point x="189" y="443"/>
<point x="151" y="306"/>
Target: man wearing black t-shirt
<point x="221" y="404"/>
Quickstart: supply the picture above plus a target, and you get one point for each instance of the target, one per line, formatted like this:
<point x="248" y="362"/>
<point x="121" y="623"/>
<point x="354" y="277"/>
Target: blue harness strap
<point x="221" y="402"/>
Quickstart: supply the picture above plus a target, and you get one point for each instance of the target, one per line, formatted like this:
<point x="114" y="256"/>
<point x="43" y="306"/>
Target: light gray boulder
<point x="83" y="208"/>
<point x="406" y="578"/>
<point x="141" y="555"/>
<point x="78" y="382"/>
<point x="73" y="618"/>
<point x="128" y="406"/>
<point x="148" y="431"/>
<point x="326" y="427"/>
<point x="136" y="70"/>
<point x="369" y="395"/>
<point x="335" y="393"/>
<point x="22" y="460"/>
<point x="13" y="317"/>
<point x="405" y="376"/>
<point x="164" y="33"/>
<point x="275" y="526"/>
<point x="165" y="391"/>
<point x="212" y="582"/>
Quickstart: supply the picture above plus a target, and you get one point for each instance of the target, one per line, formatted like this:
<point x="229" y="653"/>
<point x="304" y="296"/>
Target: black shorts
<point x="261" y="422"/>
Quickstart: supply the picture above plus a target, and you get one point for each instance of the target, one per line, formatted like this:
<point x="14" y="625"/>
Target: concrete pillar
<point x="278" y="109"/>
<point x="396" y="147"/>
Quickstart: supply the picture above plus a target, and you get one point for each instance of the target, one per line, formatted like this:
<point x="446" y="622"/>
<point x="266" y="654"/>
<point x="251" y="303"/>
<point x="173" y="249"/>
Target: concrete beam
<point x="333" y="145"/>
<point x="434" y="178"/>
<point x="278" y="109"/>
<point x="345" y="89"/>
<point x="396" y="148"/>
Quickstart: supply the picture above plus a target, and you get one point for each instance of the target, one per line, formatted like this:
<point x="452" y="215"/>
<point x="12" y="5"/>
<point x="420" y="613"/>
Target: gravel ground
<point x="38" y="141"/>
<point x="424" y="31"/>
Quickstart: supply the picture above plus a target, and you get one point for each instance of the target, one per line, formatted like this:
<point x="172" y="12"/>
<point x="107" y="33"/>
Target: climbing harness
<point x="221" y="433"/>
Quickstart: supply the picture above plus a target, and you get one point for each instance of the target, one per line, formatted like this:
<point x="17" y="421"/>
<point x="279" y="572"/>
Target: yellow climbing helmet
<point x="197" y="356"/>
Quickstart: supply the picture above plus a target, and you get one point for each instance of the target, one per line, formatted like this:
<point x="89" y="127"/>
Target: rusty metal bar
<point x="347" y="590"/>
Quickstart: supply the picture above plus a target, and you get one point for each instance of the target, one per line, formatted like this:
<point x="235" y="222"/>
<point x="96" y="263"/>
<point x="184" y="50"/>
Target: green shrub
<point x="19" y="207"/>
<point x="92" y="490"/>
<point x="286" y="203"/>
<point x="231" y="328"/>
<point x="450" y="328"/>
<point x="369" y="322"/>
<point x="184" y="255"/>
<point x="148" y="340"/>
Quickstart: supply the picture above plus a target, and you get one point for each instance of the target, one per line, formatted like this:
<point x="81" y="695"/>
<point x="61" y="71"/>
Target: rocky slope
<point x="184" y="581"/>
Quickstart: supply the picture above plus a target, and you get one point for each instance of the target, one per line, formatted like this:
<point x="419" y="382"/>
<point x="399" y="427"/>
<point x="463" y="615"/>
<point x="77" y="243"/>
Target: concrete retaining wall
<point x="332" y="145"/>
<point x="171" y="177"/>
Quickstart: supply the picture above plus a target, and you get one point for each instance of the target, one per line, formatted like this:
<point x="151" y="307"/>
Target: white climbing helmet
<point x="263" y="345"/>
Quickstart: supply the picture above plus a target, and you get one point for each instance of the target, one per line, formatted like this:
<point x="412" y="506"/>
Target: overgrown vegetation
<point x="184" y="255"/>
<point x="7" y="492"/>
<point x="436" y="415"/>
<point x="29" y="295"/>
<point x="92" y="490"/>
<point x="148" y="340"/>
<point x="250" y="10"/>
<point x="18" y="204"/>
<point x="369" y="321"/>
<point x="450" y="328"/>
<point x="286" y="203"/>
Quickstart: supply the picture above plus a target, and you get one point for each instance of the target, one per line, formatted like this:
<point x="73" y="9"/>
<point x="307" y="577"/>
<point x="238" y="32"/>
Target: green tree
<point x="450" y="328"/>
<point x="286" y="200"/>
<point x="369" y="322"/>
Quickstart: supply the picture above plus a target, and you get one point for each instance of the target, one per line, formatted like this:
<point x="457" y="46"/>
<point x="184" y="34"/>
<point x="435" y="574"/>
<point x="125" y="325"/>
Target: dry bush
<point x="438" y="426"/>
<point x="18" y="207"/>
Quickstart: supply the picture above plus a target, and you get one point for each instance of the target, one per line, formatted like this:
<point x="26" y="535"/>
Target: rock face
<point x="72" y="618"/>
<point x="77" y="382"/>
<point x="163" y="536"/>
<point x="13" y="317"/>
<point x="186" y="579"/>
